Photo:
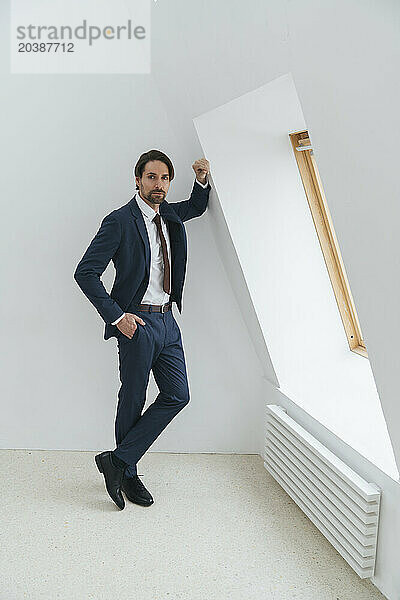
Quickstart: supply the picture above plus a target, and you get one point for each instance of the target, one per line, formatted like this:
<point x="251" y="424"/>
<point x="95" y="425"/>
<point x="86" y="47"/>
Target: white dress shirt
<point x="154" y="293"/>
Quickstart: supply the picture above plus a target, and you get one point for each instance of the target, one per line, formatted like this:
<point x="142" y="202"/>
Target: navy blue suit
<point x="157" y="346"/>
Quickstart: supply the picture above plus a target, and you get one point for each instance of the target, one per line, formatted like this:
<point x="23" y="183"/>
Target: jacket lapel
<point x="140" y="224"/>
<point x="168" y="212"/>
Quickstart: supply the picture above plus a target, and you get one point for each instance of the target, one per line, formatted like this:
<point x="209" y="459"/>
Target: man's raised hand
<point x="201" y="167"/>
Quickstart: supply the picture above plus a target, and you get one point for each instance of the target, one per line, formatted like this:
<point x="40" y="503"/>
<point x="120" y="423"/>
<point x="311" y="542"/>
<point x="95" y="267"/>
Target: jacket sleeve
<point x="195" y="205"/>
<point x="92" y="265"/>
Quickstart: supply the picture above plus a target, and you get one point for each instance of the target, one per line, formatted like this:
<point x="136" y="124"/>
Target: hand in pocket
<point x="128" y="324"/>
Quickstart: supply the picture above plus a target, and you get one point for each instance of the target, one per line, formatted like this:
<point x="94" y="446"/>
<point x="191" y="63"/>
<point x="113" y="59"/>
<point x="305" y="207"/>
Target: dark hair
<point x="153" y="155"/>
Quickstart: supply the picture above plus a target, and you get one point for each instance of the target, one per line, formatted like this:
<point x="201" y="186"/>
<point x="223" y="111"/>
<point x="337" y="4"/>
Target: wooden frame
<point x="327" y="239"/>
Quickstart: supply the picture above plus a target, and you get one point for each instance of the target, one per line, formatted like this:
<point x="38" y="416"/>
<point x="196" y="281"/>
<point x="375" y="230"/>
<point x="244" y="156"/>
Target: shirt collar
<point x="147" y="211"/>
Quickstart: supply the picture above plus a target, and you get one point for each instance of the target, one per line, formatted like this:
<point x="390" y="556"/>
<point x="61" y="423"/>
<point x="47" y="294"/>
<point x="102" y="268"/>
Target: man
<point x="146" y="240"/>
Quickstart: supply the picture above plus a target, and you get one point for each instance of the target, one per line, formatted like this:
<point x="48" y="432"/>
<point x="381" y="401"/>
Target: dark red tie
<point x="157" y="220"/>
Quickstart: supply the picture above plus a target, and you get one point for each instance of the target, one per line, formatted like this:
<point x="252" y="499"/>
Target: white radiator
<point x="343" y="506"/>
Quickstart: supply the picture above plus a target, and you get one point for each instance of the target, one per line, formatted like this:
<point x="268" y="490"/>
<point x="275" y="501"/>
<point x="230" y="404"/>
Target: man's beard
<point x="155" y="199"/>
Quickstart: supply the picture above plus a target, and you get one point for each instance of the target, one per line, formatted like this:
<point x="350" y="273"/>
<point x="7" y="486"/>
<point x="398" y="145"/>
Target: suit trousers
<point x="156" y="346"/>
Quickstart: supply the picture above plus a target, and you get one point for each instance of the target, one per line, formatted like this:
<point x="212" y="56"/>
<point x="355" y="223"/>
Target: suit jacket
<point x="122" y="238"/>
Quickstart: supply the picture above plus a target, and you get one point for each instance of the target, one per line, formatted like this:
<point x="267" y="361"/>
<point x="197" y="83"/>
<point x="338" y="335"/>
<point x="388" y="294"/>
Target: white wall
<point x="71" y="143"/>
<point x="274" y="236"/>
<point x="350" y="94"/>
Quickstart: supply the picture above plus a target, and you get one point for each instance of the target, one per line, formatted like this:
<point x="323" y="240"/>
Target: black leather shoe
<point x="135" y="491"/>
<point x="113" y="476"/>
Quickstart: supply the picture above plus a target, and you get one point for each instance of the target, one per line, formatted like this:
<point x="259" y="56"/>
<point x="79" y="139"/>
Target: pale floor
<point x="220" y="528"/>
